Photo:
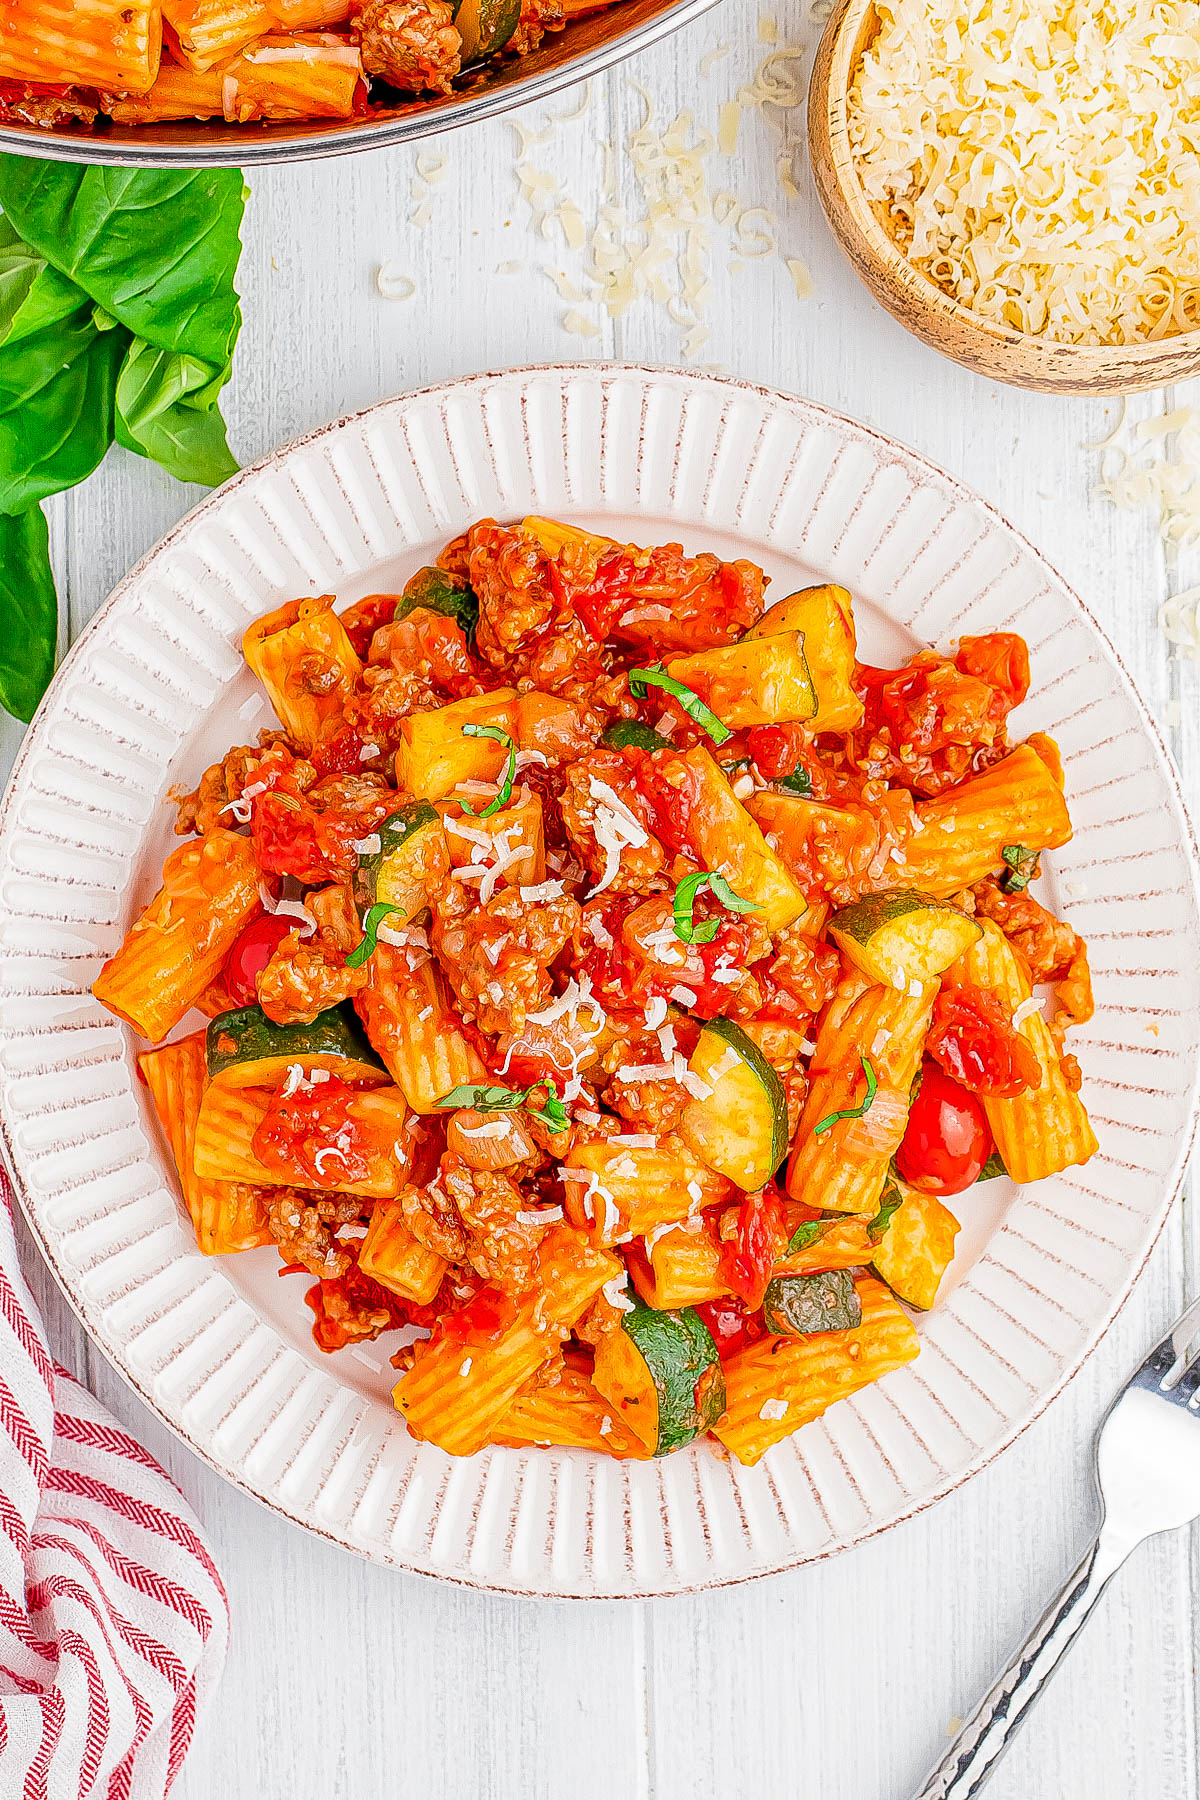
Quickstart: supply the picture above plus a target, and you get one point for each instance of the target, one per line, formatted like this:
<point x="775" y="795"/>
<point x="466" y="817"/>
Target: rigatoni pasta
<point x="611" y="1060"/>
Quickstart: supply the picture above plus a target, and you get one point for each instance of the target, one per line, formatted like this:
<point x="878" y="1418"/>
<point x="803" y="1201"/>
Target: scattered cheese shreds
<point x="1136" y="472"/>
<point x="1180" y="620"/>
<point x="393" y="283"/>
<point x="578" y="325"/>
<point x="727" y="127"/>
<point x="1037" y="159"/>
<point x="801" y="278"/>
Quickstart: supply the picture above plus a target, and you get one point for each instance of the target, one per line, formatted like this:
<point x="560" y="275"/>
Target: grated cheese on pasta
<point x="1039" y="160"/>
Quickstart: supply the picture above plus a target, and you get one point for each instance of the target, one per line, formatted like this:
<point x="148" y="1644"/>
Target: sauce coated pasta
<point x="609" y="979"/>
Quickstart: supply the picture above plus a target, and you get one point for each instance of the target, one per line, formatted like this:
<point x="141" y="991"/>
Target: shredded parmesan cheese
<point x="773" y="1409"/>
<point x="1038" y="159"/>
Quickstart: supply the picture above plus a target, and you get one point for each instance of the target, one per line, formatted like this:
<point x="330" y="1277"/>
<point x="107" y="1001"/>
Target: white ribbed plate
<point x="155" y="690"/>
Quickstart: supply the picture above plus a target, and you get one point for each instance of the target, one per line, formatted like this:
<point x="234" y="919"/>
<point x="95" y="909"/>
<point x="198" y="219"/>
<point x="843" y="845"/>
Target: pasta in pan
<point x="82" y="64"/>
<point x="609" y="981"/>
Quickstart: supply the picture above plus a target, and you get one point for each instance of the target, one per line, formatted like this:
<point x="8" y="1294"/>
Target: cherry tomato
<point x="251" y="953"/>
<point x="947" y="1140"/>
<point x="481" y="1320"/>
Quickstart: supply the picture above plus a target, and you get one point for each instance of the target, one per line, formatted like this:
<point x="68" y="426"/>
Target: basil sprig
<point x="501" y="737"/>
<point x="1022" y="868"/>
<point x="640" y="680"/>
<point x="852" y="1112"/>
<point x="889" y="1206"/>
<point x="483" y="1098"/>
<point x="798" y="782"/>
<point x="370" y="943"/>
<point x="808" y="1230"/>
<point x="685" y="901"/>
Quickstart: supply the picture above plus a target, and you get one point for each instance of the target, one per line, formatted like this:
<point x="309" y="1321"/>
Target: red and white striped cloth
<point x="113" y="1618"/>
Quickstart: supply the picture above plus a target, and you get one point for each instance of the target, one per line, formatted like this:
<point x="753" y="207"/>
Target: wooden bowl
<point x="918" y="303"/>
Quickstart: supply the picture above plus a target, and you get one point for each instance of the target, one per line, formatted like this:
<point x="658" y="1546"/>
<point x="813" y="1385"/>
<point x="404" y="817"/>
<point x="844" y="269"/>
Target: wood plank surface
<point x="837" y="1682"/>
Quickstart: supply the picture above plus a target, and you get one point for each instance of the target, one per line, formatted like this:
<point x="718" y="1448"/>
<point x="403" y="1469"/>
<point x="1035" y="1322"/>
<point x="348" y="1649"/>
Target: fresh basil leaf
<point x="157" y="248"/>
<point x="640" y="680"/>
<point x="889" y="1206"/>
<point x="807" y="1232"/>
<point x="798" y="782"/>
<point x="166" y="409"/>
<point x="501" y="737"/>
<point x="442" y="593"/>
<point x="482" y="1098"/>
<point x="373" y="919"/>
<point x="852" y="1112"/>
<point x="992" y="1167"/>
<point x="28" y="612"/>
<point x="683" y="912"/>
<point x="1021" y="868"/>
<point x="57" y="379"/>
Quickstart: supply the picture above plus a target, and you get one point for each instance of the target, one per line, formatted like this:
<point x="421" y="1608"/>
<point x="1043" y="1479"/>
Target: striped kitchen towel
<point x="113" y="1618"/>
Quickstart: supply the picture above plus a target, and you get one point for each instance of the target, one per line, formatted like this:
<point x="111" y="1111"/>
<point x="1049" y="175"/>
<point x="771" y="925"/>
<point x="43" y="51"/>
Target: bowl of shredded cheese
<point x="1018" y="181"/>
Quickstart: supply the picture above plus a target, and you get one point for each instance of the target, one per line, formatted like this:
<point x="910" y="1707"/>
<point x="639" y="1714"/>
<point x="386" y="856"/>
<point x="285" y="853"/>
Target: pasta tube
<point x="778" y="1384"/>
<point x="454" y="1395"/>
<point x="416" y="1031"/>
<point x="842" y="1167"/>
<point x="393" y="1257"/>
<point x="561" y="1406"/>
<point x="226" y="1215"/>
<point x="1046" y="1129"/>
<point x="176" y="948"/>
<point x="307" y="664"/>
<point x="229" y="1118"/>
<point x="963" y="832"/>
<point x="614" y="1189"/>
<point x="82" y="43"/>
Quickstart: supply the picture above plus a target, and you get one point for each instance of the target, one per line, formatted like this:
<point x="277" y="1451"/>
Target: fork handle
<point x="985" y="1736"/>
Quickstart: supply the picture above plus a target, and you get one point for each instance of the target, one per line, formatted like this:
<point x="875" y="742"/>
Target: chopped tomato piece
<point x="482" y="1320"/>
<point x="747" y="1260"/>
<point x="731" y="1324"/>
<point x="975" y="1041"/>
<point x="310" y="1129"/>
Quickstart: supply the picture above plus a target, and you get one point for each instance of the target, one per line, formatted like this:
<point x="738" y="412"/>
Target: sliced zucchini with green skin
<point x="246" y="1049"/>
<point x="899" y="937"/>
<point x="741" y="1128"/>
<point x="662" y="1373"/>
<point x="440" y="592"/>
<point x="798" y="1305"/>
<point x="631" y="734"/>
<point x="485" y="26"/>
<point x="412" y="851"/>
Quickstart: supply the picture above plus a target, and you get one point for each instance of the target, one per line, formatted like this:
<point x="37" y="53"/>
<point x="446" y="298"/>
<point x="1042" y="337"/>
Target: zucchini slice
<point x="660" y="1371"/>
<point x="631" y="734"/>
<point x="759" y="681"/>
<point x="798" y="1305"/>
<point x="741" y="1129"/>
<point x="246" y="1049"/>
<point x="440" y="592"/>
<point x="412" y="852"/>
<point x="917" y="1248"/>
<point x="485" y="26"/>
<point x="899" y="937"/>
<point x="825" y="615"/>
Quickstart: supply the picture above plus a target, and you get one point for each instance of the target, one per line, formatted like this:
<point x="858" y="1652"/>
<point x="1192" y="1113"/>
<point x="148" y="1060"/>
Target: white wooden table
<point x="838" y="1682"/>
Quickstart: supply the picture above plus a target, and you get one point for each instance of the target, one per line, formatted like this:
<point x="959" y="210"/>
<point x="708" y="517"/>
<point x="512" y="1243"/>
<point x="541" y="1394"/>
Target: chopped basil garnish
<point x="483" y="1098"/>
<point x="992" y="1167"/>
<point x="1022" y="868"/>
<point x="798" y="782"/>
<point x="852" y="1112"/>
<point x="501" y="737"/>
<point x="685" y="900"/>
<point x="371" y="923"/>
<point x="889" y="1206"/>
<point x="642" y="679"/>
<point x="808" y="1231"/>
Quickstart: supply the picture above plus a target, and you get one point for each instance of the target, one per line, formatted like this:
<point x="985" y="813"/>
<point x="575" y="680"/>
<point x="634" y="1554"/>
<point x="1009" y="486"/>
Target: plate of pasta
<point x="601" y="981"/>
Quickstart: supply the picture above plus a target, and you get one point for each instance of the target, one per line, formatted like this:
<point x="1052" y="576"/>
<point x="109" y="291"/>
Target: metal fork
<point x="1148" y="1474"/>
